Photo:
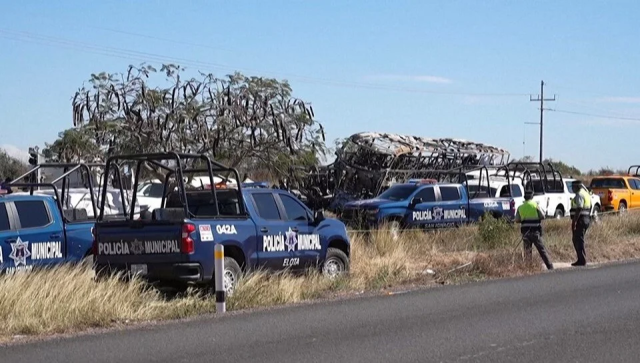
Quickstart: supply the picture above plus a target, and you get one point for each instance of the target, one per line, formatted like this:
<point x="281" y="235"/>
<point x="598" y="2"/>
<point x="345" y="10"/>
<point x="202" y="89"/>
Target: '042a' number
<point x="291" y="262"/>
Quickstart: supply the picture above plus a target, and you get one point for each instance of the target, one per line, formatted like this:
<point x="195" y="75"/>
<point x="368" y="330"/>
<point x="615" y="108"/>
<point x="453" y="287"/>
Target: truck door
<point x="635" y="193"/>
<point x="276" y="237"/>
<point x="453" y="209"/>
<point x="421" y="215"/>
<point x="307" y="244"/>
<point x="8" y="235"/>
<point x="40" y="235"/>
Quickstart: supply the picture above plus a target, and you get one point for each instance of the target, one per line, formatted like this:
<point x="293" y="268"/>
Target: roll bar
<point x="69" y="168"/>
<point x="179" y="158"/>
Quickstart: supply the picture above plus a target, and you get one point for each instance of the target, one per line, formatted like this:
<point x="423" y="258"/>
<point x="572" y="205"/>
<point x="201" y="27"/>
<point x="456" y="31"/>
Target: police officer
<point x="580" y="220"/>
<point x="530" y="217"/>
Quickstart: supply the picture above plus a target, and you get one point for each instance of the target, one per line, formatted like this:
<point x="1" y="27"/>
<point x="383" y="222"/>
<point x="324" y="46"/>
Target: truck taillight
<point x="512" y="205"/>
<point x="187" y="245"/>
<point x="610" y="196"/>
<point x="94" y="244"/>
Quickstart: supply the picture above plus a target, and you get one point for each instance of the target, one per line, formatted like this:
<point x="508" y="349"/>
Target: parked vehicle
<point x="618" y="192"/>
<point x="549" y="189"/>
<point x="499" y="187"/>
<point x="258" y="227"/>
<point x="427" y="204"/>
<point x="36" y="228"/>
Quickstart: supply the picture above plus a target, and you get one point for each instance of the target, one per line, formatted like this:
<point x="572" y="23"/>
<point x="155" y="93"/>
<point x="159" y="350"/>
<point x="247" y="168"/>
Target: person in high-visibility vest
<point x="530" y="217"/>
<point x="580" y="220"/>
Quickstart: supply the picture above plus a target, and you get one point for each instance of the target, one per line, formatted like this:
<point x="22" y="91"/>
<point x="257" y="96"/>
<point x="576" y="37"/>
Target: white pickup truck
<point x="555" y="203"/>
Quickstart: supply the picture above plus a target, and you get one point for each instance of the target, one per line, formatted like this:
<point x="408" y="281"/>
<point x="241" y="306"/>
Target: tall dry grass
<point x="67" y="298"/>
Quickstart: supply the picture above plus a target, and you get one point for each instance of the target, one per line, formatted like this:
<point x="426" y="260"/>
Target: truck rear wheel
<point x="336" y="263"/>
<point x="232" y="272"/>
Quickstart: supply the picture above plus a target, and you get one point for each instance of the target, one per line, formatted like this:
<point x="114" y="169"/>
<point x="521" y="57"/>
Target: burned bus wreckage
<point x="369" y="162"/>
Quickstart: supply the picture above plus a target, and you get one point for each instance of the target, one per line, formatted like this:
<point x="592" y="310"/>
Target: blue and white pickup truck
<point x="258" y="227"/>
<point x="424" y="204"/>
<point x="35" y="232"/>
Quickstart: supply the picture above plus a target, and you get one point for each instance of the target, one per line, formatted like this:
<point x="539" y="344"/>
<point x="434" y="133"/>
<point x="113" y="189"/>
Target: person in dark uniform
<point x="580" y="220"/>
<point x="530" y="217"/>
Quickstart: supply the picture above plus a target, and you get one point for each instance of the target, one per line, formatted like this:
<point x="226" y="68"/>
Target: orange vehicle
<point x="618" y="192"/>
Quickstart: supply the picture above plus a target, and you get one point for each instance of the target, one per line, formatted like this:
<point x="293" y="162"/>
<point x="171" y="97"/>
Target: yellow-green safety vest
<point x="585" y="207"/>
<point x="528" y="213"/>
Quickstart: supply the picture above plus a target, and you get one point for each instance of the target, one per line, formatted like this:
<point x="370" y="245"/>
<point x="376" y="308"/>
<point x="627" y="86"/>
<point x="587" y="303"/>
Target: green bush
<point x="495" y="233"/>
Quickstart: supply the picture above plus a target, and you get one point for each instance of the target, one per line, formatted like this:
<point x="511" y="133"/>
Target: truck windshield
<point x="398" y="192"/>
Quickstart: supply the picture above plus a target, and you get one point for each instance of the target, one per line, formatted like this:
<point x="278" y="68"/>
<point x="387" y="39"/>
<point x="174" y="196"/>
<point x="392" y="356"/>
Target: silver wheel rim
<point x="332" y="267"/>
<point x="229" y="280"/>
<point x="395" y="230"/>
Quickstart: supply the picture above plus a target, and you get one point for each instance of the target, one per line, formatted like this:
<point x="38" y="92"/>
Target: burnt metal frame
<point x="155" y="159"/>
<point x="60" y="198"/>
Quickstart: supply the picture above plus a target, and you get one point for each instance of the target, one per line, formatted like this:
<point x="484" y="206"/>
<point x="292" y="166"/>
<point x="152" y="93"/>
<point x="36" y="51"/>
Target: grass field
<point x="68" y="299"/>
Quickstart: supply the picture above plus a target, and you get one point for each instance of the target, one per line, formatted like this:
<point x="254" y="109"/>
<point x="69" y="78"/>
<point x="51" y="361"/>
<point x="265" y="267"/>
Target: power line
<point x="594" y="115"/>
<point x="144" y="57"/>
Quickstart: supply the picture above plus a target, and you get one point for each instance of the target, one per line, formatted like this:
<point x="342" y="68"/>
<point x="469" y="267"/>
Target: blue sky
<point x="461" y="69"/>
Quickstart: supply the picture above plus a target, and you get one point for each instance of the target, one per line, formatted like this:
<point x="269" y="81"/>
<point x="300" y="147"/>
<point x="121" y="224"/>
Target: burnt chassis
<point x="367" y="163"/>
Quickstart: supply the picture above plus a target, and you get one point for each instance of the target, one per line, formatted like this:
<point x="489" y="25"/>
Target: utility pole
<point x="541" y="99"/>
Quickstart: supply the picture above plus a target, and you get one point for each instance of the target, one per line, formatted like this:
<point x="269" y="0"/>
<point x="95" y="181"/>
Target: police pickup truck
<point x="36" y="232"/>
<point x="258" y="227"/>
<point x="427" y="204"/>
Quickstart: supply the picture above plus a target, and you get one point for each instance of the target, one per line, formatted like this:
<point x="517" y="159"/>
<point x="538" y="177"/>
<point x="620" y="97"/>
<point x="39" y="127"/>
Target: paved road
<point x="586" y="315"/>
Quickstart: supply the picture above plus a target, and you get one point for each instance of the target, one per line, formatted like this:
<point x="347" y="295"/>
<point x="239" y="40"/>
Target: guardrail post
<point x="219" y="276"/>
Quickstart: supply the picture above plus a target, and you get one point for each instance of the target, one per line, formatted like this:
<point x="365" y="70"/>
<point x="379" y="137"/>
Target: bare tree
<point x="250" y="123"/>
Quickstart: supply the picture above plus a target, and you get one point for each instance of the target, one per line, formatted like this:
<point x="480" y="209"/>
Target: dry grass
<point x="67" y="298"/>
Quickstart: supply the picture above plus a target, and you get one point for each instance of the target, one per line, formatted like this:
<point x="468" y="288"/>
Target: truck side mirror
<point x="415" y="201"/>
<point x="318" y="217"/>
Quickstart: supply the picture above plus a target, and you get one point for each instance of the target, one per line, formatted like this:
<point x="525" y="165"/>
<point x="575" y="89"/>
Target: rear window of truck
<point x="201" y="202"/>
<point x="449" y="193"/>
<point x="609" y="183"/>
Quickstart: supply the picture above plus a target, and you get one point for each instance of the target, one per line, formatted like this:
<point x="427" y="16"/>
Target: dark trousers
<point x="534" y="238"/>
<point x="582" y="225"/>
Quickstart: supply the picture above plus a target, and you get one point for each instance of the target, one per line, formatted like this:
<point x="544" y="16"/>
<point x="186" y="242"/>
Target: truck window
<point x="516" y="191"/>
<point x="450" y="193"/>
<point x="398" y="192"/>
<point x="634" y="183"/>
<point x="4" y="219"/>
<point x="427" y="195"/>
<point x="295" y="212"/>
<point x="32" y="213"/>
<point x="608" y="183"/>
<point x="267" y="208"/>
<point x="154" y="190"/>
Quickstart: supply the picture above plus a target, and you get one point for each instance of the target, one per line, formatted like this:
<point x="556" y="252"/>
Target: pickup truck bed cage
<point x="61" y="197"/>
<point x="530" y="173"/>
<point x="179" y="171"/>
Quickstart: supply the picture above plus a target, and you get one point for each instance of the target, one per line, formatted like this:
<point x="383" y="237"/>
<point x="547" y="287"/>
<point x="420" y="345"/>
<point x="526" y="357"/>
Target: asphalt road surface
<point x="581" y="315"/>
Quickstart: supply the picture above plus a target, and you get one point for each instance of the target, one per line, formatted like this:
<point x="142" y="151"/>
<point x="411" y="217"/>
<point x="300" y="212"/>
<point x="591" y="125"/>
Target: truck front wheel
<point x="335" y="263"/>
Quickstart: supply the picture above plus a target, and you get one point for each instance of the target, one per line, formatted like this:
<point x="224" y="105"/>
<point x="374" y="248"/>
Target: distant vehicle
<point x="618" y="192"/>
<point x="425" y="204"/>
<point x="549" y="189"/>
<point x="499" y="187"/>
<point x="258" y="227"/>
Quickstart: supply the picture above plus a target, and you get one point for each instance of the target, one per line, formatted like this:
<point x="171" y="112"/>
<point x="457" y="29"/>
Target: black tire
<point x="336" y="263"/>
<point x="622" y="207"/>
<point x="232" y="273"/>
<point x="558" y="213"/>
